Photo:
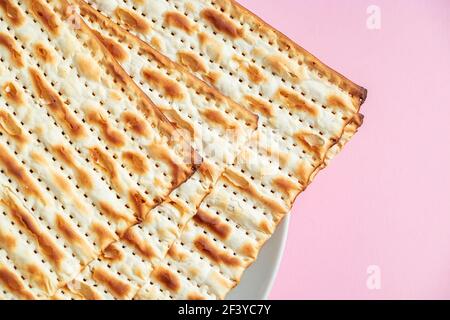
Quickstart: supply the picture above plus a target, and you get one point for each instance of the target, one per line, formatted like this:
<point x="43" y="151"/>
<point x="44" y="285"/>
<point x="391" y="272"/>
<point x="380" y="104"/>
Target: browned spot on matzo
<point x="7" y="241"/>
<point x="212" y="77"/>
<point x="195" y="296"/>
<point x="12" y="94"/>
<point x="303" y="172"/>
<point x="59" y="180"/>
<point x="282" y="67"/>
<point x="336" y="102"/>
<point x="254" y="73"/>
<point x="39" y="278"/>
<point x="161" y="153"/>
<point x="88" y="68"/>
<point x="218" y="118"/>
<point x="168" y="279"/>
<point x="211" y="46"/>
<point x="115" y="48"/>
<point x="116" y="286"/>
<point x="243" y="184"/>
<point x="44" y="14"/>
<point x="83" y="290"/>
<point x="140" y="205"/>
<point x="176" y="254"/>
<point x="212" y="223"/>
<point x="107" y="164"/>
<point x="72" y="235"/>
<point x="266" y="227"/>
<point x="287" y="186"/>
<point x="248" y="250"/>
<point x="67" y="231"/>
<point x="14" y="284"/>
<point x="113" y="252"/>
<point x="157" y="43"/>
<point x="175" y="117"/>
<point x="12" y="12"/>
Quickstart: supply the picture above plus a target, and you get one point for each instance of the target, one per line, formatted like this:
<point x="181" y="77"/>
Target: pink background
<point x="385" y="200"/>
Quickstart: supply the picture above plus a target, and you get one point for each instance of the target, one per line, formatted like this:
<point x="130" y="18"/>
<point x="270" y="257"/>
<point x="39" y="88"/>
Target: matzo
<point x="84" y="154"/>
<point x="307" y="113"/>
<point x="218" y="128"/>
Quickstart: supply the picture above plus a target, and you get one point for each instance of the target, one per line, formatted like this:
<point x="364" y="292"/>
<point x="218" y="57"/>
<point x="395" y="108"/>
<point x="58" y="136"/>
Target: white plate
<point x="257" y="281"/>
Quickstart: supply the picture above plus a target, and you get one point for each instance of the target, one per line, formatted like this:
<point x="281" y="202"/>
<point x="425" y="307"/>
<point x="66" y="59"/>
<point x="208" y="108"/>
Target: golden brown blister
<point x="218" y="128"/>
<point x="307" y="113"/>
<point x="69" y="184"/>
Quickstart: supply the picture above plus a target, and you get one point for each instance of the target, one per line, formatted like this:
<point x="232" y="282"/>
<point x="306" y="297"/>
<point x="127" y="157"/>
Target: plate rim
<point x="279" y="257"/>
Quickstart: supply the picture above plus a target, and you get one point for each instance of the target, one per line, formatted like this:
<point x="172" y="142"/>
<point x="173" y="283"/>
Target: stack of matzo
<point x="84" y="154"/>
<point x="203" y="235"/>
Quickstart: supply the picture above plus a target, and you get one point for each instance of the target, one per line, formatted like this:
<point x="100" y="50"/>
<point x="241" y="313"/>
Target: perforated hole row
<point x="287" y="142"/>
<point x="243" y="202"/>
<point x="216" y="267"/>
<point x="218" y="134"/>
<point x="53" y="126"/>
<point x="124" y="91"/>
<point x="241" y="52"/>
<point x="264" y="162"/>
<point x="182" y="110"/>
<point x="164" y="293"/>
<point x="90" y="282"/>
<point x="36" y="141"/>
<point x="259" y="64"/>
<point x="25" y="89"/>
<point x="273" y="159"/>
<point x="101" y="262"/>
